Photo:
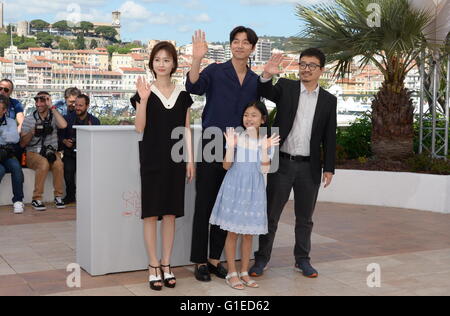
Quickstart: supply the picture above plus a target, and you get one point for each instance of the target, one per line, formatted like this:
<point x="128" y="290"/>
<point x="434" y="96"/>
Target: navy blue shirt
<point x="72" y="119"/>
<point x="225" y="97"/>
<point x="14" y="108"/>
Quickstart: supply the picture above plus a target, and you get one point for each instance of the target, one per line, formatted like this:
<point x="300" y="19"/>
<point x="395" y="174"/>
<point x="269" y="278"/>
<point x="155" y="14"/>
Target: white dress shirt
<point x="298" y="141"/>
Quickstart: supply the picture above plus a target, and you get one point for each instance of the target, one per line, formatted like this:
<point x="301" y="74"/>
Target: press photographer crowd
<point x="43" y="141"/>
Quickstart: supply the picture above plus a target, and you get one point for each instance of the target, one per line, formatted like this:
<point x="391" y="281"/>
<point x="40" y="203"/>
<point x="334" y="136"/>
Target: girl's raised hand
<point x="143" y="88"/>
<point x="231" y="138"/>
<point x="272" y="141"/>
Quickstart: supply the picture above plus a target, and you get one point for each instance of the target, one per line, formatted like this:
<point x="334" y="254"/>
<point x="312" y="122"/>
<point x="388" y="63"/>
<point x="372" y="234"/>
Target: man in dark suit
<point x="306" y="118"/>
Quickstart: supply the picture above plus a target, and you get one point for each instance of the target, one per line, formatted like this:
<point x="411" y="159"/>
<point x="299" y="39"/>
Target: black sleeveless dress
<point x="162" y="179"/>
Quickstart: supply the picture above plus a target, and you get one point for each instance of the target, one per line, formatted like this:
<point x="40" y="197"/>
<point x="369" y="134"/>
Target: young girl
<point x="240" y="206"/>
<point x="160" y="108"/>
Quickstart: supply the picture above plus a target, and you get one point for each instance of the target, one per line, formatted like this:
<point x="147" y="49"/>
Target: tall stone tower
<point x="116" y="23"/>
<point x="2" y="26"/>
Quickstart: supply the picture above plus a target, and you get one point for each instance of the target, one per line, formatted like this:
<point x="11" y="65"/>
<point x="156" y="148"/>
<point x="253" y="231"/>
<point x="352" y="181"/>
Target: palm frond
<point x="342" y="31"/>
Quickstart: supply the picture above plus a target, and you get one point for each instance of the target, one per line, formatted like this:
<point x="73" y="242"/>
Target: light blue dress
<point x="241" y="205"/>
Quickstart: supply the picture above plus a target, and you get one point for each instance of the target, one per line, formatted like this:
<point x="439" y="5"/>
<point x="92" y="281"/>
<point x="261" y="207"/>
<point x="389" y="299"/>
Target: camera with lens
<point x="44" y="128"/>
<point x="6" y="152"/>
<point x="49" y="153"/>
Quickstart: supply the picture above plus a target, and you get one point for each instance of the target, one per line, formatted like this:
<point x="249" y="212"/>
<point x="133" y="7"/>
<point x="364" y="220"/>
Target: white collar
<point x="168" y="103"/>
<point x="303" y="89"/>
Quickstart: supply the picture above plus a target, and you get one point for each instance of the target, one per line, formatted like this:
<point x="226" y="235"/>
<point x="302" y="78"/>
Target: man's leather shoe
<point x="202" y="273"/>
<point x="219" y="271"/>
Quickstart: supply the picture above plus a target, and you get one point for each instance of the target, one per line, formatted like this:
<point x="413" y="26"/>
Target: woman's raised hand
<point x="143" y="88"/>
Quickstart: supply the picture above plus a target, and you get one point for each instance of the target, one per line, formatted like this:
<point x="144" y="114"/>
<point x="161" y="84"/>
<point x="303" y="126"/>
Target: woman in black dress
<point x="160" y="108"/>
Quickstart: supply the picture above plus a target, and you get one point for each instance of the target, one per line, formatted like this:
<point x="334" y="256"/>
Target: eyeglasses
<point x="4" y="89"/>
<point x="311" y="67"/>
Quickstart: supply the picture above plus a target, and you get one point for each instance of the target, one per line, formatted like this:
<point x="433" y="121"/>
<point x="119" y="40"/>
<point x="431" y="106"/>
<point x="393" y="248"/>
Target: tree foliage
<point x="61" y="25"/>
<point x="39" y="24"/>
<point x="107" y="32"/>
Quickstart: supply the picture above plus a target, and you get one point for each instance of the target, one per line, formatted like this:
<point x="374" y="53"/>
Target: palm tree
<point x="342" y="31"/>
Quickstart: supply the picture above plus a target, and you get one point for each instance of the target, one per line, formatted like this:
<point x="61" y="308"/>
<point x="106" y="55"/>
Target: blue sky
<point x="169" y="19"/>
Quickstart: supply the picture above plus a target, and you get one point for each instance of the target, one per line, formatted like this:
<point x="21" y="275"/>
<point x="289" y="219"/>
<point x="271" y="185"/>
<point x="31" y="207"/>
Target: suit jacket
<point x="286" y="94"/>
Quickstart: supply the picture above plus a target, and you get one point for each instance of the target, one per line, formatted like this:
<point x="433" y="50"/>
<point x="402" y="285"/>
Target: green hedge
<point x="354" y="141"/>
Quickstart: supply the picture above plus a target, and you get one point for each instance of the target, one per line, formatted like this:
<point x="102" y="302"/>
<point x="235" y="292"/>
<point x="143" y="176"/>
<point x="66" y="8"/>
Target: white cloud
<point x="278" y="2"/>
<point x="93" y="15"/>
<point x="193" y="5"/>
<point x="185" y="29"/>
<point x="204" y="17"/>
<point x="17" y="10"/>
<point x="133" y="11"/>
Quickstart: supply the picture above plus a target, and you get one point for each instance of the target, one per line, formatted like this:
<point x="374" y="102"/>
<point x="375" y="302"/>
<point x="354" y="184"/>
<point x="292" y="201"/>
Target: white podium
<point x="109" y="226"/>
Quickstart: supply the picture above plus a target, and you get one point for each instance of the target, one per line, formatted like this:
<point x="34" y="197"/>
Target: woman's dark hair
<point x="170" y="49"/>
<point x="251" y="35"/>
<point x="315" y="52"/>
<point x="4" y="101"/>
<point x="261" y="107"/>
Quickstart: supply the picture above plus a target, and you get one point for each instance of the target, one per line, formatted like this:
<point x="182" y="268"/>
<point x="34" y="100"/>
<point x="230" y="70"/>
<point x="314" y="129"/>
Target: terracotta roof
<point x="64" y="62"/>
<point x="43" y="59"/>
<point x="346" y="81"/>
<point x="38" y="65"/>
<point x="137" y="57"/>
<point x="39" y="49"/>
<point x="126" y="69"/>
<point x="87" y="72"/>
<point x="84" y="66"/>
<point x="4" y="60"/>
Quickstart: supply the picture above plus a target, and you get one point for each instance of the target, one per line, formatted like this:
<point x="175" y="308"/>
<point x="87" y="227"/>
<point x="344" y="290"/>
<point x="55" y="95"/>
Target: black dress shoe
<point x="219" y="271"/>
<point x="202" y="273"/>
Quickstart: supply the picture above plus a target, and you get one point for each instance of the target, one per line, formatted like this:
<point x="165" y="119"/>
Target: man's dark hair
<point x="43" y="93"/>
<point x="315" y="52"/>
<point x="251" y="35"/>
<point x="170" y="49"/>
<point x="85" y="97"/>
<point x="8" y="81"/>
<point x="71" y="92"/>
<point x="4" y="101"/>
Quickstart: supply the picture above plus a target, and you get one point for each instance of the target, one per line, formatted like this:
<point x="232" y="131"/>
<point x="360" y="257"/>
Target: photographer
<point x="15" y="107"/>
<point x="9" y="137"/>
<point x="39" y="136"/>
<point x="80" y="117"/>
